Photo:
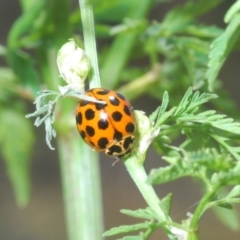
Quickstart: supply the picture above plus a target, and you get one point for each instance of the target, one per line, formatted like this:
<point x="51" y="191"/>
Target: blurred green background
<point x="43" y="218"/>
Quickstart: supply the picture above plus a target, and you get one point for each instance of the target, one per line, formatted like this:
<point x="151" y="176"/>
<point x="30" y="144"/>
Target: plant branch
<point x="139" y="176"/>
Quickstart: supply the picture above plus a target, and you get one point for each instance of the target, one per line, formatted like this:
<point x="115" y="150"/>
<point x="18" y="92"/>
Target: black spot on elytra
<point x="128" y="142"/>
<point x="91" y="143"/>
<point x="130" y="128"/>
<point x="100" y="106"/>
<point x="120" y="96"/>
<point x="89" y="114"/>
<point x="102" y="142"/>
<point x="114" y="101"/>
<point x="83" y="134"/>
<point x="103" y="124"/>
<point x="90" y="131"/>
<point x="102" y="92"/>
<point x="117" y="135"/>
<point x="79" y="118"/>
<point x="114" y="150"/>
<point x="126" y="153"/>
<point x="117" y="116"/>
<point x="127" y="110"/>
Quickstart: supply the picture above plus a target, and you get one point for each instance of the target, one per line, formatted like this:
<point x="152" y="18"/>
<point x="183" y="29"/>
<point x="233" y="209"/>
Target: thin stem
<point x="139" y="176"/>
<point x="86" y="11"/>
<point x="193" y="226"/>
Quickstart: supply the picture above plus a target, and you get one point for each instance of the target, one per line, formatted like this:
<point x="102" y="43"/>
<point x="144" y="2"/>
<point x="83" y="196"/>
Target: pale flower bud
<point x="73" y="65"/>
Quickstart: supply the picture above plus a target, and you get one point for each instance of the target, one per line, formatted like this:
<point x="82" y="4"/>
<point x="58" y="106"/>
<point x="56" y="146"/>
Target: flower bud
<point x="73" y="65"/>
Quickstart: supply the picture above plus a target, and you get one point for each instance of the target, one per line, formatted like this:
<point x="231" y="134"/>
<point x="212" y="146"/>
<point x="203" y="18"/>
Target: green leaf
<point x="59" y="20"/>
<point x="129" y="25"/>
<point x="210" y="158"/>
<point x="223" y="123"/>
<point x="23" y="66"/>
<point x="227" y="178"/>
<point x="181" y="16"/>
<point x="198" y="100"/>
<point x="203" y="31"/>
<point x="113" y="11"/>
<point x="165" y="204"/>
<point x="223" y="141"/>
<point x="228" y="217"/>
<point x="210" y="118"/>
<point x="132" y="238"/>
<point x="40" y="24"/>
<point x="234" y="192"/>
<point x="126" y="229"/>
<point x="191" y="101"/>
<point x="184" y="102"/>
<point x="196" y="164"/>
<point x="164" y="105"/>
<point x="160" y="110"/>
<point x="226" y="206"/>
<point x="141" y="213"/>
<point x="16" y="139"/>
<point x="221" y="47"/>
<point x="194" y="54"/>
<point x="232" y="11"/>
<point x="173" y="172"/>
<point x="22" y="63"/>
<point x="26" y="22"/>
<point x="165" y="117"/>
<point x="25" y="4"/>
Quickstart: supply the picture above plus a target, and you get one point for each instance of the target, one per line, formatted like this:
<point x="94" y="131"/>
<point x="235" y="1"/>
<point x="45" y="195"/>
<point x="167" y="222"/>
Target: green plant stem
<point x="120" y="50"/>
<point x="87" y="18"/>
<point x="139" y="176"/>
<point x="81" y="187"/>
<point x="193" y="226"/>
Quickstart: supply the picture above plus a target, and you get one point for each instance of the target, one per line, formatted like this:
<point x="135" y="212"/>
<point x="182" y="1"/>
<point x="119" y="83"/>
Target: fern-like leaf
<point x="191" y="101"/>
<point x="127" y="228"/>
<point x="156" y="115"/>
<point x="221" y="46"/>
<point x="141" y="213"/>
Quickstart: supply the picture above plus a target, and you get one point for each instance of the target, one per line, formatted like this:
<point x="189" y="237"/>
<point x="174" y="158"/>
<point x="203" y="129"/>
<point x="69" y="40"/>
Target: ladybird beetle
<point x="106" y="127"/>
